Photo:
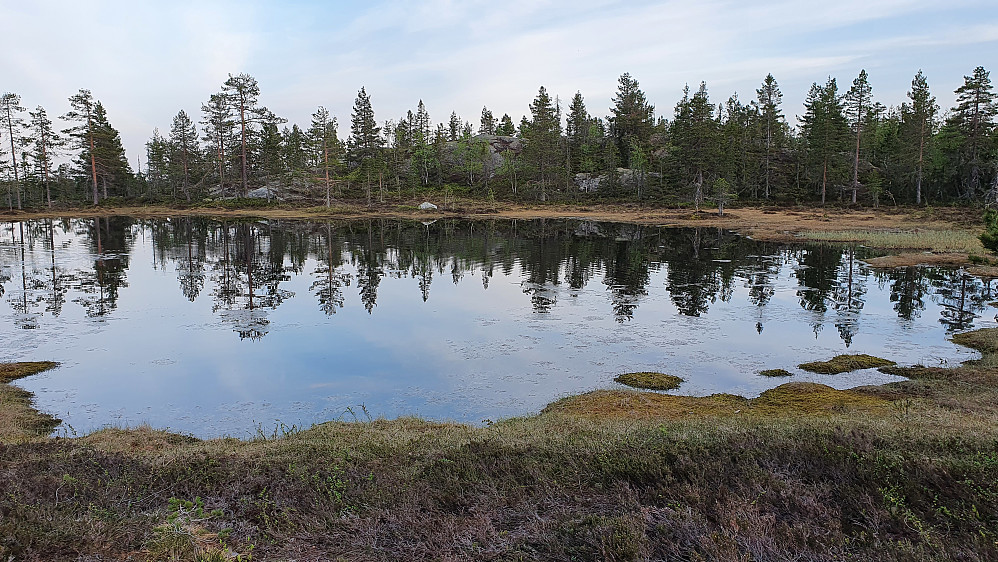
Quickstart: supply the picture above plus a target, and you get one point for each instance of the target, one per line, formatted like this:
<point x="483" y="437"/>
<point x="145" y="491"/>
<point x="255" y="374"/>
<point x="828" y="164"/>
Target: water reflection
<point x="662" y="287"/>
<point x="248" y="261"/>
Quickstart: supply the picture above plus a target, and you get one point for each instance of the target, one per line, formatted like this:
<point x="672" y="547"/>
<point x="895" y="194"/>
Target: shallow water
<point x="215" y="329"/>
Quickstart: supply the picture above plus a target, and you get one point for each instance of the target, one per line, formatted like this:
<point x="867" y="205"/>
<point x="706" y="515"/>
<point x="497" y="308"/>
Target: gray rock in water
<point x="427" y="206"/>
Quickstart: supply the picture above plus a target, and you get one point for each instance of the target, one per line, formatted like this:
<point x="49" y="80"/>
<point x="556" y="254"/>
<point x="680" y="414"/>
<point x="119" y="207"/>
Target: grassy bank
<point x="905" y="471"/>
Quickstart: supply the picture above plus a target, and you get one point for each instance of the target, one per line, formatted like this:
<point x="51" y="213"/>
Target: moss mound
<point x="650" y="381"/>
<point x="19" y="421"/>
<point x="844" y="364"/>
<point x="776" y="373"/>
<point x="984" y="340"/>
<point x="10" y="372"/>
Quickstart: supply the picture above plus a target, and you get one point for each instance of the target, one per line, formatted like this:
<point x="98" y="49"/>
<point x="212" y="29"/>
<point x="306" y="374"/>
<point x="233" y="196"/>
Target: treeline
<point x="848" y="147"/>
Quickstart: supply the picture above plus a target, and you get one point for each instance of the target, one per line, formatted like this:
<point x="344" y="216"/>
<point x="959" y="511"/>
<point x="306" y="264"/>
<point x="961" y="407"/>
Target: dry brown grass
<point x="904" y="471"/>
<point x="844" y="364"/>
<point x="19" y="421"/>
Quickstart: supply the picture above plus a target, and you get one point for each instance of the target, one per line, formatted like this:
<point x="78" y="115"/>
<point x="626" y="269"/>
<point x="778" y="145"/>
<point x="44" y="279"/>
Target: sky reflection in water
<point x="217" y="329"/>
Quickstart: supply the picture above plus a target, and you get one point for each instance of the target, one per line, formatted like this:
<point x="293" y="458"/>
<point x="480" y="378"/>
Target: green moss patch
<point x="776" y="373"/>
<point x="650" y="381"/>
<point x="844" y="364"/>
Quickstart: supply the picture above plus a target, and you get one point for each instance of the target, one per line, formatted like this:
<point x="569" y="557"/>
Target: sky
<point x="146" y="60"/>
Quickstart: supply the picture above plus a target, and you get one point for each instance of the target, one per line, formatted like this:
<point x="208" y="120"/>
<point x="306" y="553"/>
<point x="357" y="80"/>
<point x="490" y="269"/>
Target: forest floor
<point x="902" y="471"/>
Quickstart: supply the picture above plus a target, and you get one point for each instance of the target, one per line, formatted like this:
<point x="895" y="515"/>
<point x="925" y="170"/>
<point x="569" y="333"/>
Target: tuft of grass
<point x="790" y="399"/>
<point x="650" y="381"/>
<point x="919" y="239"/>
<point x="10" y="372"/>
<point x="984" y="340"/>
<point x="845" y="363"/>
<point x="19" y="421"/>
<point x="775" y="373"/>
<point x="797" y="398"/>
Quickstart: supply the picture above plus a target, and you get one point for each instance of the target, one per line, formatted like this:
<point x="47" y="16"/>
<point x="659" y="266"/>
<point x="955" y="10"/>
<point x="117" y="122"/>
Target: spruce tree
<point x="917" y="120"/>
<point x="695" y="137"/>
<point x="633" y="117"/>
<point x="576" y="130"/>
<point x="322" y="135"/>
<point x="364" y="144"/>
<point x="770" y="97"/>
<point x="542" y="137"/>
<point x="488" y="124"/>
<point x="454" y="127"/>
<point x="506" y="127"/>
<point x="82" y="104"/>
<point x="858" y="101"/>
<point x="824" y="129"/>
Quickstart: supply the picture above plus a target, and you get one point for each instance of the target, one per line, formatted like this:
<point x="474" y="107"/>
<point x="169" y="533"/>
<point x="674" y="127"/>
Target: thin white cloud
<point x="146" y="61"/>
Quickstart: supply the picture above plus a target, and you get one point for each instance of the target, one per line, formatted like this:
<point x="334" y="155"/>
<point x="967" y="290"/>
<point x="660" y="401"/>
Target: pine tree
<point x="82" y="104"/>
<point x="917" y="119"/>
<point x="770" y="97"/>
<point x="322" y="135"/>
<point x="184" y="142"/>
<point x="241" y="92"/>
<point x="633" y="117"/>
<point x="858" y="101"/>
<point x="973" y="117"/>
<point x="46" y="144"/>
<point x="12" y="124"/>
<point x="218" y="122"/>
<point x="488" y="124"/>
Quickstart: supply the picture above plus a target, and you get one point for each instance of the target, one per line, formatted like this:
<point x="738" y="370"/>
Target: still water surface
<point x="215" y="328"/>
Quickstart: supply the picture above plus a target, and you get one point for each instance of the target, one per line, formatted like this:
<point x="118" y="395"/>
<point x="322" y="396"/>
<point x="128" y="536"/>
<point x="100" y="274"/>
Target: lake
<point x="219" y="328"/>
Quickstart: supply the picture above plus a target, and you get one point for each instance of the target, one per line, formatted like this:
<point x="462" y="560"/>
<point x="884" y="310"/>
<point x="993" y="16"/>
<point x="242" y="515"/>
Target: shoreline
<point x="906" y="470"/>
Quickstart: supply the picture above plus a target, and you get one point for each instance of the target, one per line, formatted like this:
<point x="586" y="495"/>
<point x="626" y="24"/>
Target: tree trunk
<point x="242" y="124"/>
<point x="824" y="179"/>
<point x="13" y="158"/>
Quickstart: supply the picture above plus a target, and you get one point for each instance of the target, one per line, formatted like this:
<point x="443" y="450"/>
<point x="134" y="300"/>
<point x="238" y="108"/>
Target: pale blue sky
<point x="146" y="60"/>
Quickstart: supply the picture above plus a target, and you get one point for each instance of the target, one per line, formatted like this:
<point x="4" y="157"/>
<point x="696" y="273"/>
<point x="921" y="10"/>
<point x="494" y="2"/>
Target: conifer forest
<point x="845" y="147"/>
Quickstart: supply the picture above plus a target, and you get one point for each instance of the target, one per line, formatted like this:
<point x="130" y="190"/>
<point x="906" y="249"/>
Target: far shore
<point x="938" y="236"/>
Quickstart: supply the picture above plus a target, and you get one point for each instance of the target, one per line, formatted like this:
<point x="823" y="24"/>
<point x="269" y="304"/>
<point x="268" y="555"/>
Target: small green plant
<point x="989" y="238"/>
<point x="775" y="373"/>
<point x="976" y="259"/>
